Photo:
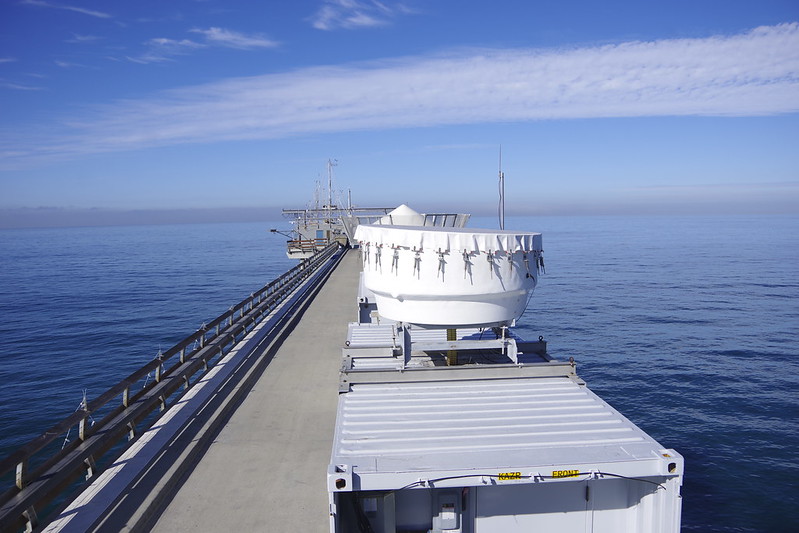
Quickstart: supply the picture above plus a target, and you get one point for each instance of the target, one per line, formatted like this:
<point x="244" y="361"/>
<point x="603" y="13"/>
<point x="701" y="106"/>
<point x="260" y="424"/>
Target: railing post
<point x="84" y="405"/>
<point x="126" y="397"/>
<point x="91" y="467"/>
<point x="22" y="474"/>
<point x="32" y="520"/>
<point x="82" y="428"/>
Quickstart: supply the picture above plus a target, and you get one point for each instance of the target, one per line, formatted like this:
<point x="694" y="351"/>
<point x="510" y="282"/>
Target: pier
<point x="245" y="445"/>
<point x="269" y="460"/>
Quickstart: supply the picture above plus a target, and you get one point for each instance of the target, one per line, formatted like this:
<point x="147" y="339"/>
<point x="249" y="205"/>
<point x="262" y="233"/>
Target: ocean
<point x="687" y="325"/>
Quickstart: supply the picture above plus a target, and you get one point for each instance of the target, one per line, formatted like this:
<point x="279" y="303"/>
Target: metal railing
<point x="306" y="245"/>
<point x="39" y="481"/>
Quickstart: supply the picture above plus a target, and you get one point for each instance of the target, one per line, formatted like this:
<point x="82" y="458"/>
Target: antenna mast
<point x="501" y="192"/>
<point x="330" y="164"/>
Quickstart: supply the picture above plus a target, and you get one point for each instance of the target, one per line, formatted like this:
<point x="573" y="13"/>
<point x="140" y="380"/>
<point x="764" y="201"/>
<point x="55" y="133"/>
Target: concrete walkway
<point x="266" y="470"/>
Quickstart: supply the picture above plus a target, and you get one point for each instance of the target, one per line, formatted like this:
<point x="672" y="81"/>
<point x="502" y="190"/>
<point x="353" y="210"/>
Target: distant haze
<point x="64" y="217"/>
<point x="44" y="217"/>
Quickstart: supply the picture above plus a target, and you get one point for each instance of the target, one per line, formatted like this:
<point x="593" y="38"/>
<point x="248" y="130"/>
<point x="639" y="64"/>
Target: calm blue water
<point x="687" y="325"/>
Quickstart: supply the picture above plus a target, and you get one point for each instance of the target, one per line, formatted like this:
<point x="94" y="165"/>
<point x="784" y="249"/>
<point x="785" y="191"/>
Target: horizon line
<point x="69" y="217"/>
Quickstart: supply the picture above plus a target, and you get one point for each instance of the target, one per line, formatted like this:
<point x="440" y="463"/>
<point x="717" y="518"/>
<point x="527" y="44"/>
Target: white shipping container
<point x="496" y="455"/>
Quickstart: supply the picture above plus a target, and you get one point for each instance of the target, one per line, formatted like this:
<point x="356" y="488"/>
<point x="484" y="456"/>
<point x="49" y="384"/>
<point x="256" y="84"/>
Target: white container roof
<point x="389" y="433"/>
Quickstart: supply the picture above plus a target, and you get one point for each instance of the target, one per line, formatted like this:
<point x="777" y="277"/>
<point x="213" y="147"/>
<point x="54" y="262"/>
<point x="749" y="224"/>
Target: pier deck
<point x="252" y="456"/>
<point x="265" y="470"/>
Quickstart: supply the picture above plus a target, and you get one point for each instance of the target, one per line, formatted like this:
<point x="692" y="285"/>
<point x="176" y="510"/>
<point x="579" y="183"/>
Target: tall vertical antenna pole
<point x="501" y="192"/>
<point x="330" y="165"/>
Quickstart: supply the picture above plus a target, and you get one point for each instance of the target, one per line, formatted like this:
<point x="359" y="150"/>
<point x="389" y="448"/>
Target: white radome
<point x="453" y="277"/>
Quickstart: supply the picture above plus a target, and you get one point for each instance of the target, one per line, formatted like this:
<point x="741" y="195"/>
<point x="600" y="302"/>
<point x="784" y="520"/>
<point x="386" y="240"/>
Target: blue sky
<point x="600" y="107"/>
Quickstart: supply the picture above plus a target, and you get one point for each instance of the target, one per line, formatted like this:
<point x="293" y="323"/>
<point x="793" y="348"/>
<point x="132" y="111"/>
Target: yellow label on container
<point x="565" y="473"/>
<point x="505" y="476"/>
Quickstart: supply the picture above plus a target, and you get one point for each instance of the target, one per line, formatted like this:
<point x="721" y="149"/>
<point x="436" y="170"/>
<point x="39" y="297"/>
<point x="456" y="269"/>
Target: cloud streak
<point x="749" y="74"/>
<point x="234" y="39"/>
<point x="163" y="49"/>
<point x="75" y="9"/>
<point x="78" y="39"/>
<point x="18" y="87"/>
<point x="355" y="14"/>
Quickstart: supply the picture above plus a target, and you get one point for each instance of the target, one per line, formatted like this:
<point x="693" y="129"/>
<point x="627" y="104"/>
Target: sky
<point x="231" y="109"/>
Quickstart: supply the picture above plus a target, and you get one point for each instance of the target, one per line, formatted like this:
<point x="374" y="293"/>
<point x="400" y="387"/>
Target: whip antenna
<point x="501" y="208"/>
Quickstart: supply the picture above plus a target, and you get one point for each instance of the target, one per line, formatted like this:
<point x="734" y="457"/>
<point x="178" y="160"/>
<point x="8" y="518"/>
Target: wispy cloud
<point x="19" y="87"/>
<point x="162" y="49"/>
<point x="749" y="74"/>
<point x="84" y="11"/>
<point x="353" y="14"/>
<point x="7" y="59"/>
<point x="68" y="64"/>
<point x="79" y="39"/>
<point x="232" y="39"/>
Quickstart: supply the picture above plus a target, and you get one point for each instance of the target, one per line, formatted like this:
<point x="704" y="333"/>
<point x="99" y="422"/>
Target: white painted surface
<point x="393" y="434"/>
<point x="421" y="441"/>
<point x="449" y="276"/>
